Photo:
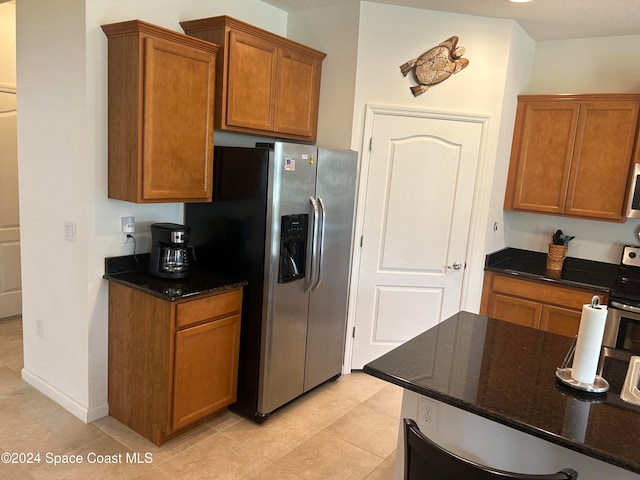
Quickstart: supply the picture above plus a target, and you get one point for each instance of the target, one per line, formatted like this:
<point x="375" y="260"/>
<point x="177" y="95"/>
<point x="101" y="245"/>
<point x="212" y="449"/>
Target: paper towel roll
<point x="585" y="360"/>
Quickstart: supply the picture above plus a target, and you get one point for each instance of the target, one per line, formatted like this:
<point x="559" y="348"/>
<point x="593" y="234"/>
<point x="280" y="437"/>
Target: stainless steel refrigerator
<point x="282" y="218"/>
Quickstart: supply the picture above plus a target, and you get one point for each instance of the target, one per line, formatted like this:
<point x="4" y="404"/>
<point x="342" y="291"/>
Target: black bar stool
<point x="424" y="460"/>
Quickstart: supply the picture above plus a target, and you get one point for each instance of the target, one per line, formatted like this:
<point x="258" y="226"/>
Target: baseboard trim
<point x="62" y="399"/>
<point x="94" y="414"/>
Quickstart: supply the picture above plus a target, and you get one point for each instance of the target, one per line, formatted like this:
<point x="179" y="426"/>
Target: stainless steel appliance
<point x="622" y="330"/>
<point x="633" y="206"/>
<point x="169" y="250"/>
<point x="282" y="218"/>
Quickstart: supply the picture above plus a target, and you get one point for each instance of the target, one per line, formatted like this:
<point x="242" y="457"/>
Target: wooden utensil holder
<point x="556" y="256"/>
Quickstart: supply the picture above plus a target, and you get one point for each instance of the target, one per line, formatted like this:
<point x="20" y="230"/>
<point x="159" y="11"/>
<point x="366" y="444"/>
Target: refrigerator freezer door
<point x="326" y="329"/>
<point x="229" y="236"/>
<point x="284" y="329"/>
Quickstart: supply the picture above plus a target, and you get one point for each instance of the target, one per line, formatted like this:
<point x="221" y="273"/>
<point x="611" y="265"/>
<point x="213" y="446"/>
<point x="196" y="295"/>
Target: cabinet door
<point x="560" y="320"/>
<point x="541" y="156"/>
<point x="179" y="83"/>
<point x="602" y="160"/>
<point x="297" y="93"/>
<point x="206" y="369"/>
<point x="251" y="82"/>
<point x="515" y="310"/>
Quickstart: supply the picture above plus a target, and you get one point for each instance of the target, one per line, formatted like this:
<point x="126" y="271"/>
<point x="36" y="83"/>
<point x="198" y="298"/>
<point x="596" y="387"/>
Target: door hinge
<point x="370" y="143"/>
<point x="361" y="240"/>
<point x="353" y="332"/>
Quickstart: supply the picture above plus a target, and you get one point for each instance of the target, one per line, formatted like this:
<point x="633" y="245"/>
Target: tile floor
<point x="346" y="429"/>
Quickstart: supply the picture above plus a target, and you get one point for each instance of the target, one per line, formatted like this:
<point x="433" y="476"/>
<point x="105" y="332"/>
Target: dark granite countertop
<point x="506" y="373"/>
<point x="131" y="271"/>
<point x="576" y="272"/>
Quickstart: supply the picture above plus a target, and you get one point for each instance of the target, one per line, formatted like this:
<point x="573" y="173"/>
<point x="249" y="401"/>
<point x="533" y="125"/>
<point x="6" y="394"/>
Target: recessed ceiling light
<point x="520" y="1"/>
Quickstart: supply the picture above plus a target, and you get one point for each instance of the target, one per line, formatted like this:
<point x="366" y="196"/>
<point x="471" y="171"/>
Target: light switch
<point x="70" y="231"/>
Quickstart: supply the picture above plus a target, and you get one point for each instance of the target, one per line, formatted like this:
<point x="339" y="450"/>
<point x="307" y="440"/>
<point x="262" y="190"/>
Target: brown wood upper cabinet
<point x="266" y="84"/>
<point x="161" y="100"/>
<point x="572" y="155"/>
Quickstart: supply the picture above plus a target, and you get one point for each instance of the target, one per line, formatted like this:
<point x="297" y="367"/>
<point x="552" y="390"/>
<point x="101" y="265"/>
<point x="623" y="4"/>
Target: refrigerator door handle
<point x="323" y="213"/>
<point x="314" y="244"/>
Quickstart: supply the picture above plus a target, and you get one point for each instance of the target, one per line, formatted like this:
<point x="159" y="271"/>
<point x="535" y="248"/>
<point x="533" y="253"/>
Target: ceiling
<point x="541" y="19"/>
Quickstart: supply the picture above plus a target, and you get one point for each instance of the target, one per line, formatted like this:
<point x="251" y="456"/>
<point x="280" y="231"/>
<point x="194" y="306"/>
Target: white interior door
<point x="10" y="282"/>
<point x="419" y="191"/>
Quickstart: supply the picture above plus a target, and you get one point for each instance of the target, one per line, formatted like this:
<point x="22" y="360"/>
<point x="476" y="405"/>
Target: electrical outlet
<point x="128" y="224"/>
<point x="39" y="328"/>
<point x="427" y="413"/>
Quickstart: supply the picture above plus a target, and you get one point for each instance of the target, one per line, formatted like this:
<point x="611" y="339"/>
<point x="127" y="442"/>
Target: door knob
<point x="455" y="266"/>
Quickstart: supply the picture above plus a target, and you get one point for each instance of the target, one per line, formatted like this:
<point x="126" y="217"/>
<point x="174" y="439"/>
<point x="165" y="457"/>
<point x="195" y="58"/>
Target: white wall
<point x="390" y="36"/>
<point x="62" y="143"/>
<point x="591" y="65"/>
<point x="519" y="66"/>
<point x="332" y="29"/>
<point x="53" y="163"/>
<point x="587" y="65"/>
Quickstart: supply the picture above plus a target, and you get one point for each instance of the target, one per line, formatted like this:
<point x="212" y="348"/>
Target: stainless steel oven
<point x="623" y="327"/>
<point x="622" y="330"/>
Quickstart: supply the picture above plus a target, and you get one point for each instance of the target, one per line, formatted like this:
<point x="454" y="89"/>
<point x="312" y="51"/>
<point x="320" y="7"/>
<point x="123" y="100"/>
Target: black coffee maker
<point x="169" y="250"/>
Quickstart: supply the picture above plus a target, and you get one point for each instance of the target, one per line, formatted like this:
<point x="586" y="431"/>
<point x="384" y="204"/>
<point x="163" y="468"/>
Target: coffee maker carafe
<point x="169" y="250"/>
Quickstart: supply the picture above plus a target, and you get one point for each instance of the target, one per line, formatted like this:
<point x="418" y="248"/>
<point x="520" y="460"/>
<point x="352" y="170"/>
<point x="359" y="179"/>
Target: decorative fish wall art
<point x="435" y="65"/>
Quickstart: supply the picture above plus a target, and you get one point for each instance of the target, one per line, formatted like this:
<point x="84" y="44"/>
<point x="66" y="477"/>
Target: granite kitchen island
<point x="489" y="390"/>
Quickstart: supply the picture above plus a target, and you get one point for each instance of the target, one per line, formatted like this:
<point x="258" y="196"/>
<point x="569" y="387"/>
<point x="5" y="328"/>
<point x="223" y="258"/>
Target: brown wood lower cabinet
<point x="515" y="310"/>
<point x="562" y="321"/>
<point x="205" y="375"/>
<point x="552" y="308"/>
<point x="171" y="364"/>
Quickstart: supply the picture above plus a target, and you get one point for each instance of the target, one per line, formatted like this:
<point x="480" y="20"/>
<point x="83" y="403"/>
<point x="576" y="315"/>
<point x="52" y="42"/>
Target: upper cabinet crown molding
<point x="572" y="155"/>
<point x="161" y="106"/>
<point x="130" y="27"/>
<point x="579" y="97"/>
<point x="204" y="25"/>
<point x="266" y="84"/>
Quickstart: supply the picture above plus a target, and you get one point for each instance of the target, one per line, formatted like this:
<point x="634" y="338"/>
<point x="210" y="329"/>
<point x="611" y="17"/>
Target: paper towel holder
<point x="563" y="373"/>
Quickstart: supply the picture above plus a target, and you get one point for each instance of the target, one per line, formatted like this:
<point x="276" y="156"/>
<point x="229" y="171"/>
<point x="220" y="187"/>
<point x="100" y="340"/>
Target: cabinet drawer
<point x="548" y="294"/>
<point x="196" y="311"/>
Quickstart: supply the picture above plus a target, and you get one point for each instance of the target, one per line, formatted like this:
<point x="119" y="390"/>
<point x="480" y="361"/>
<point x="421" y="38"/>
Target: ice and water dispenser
<point x="293" y="247"/>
